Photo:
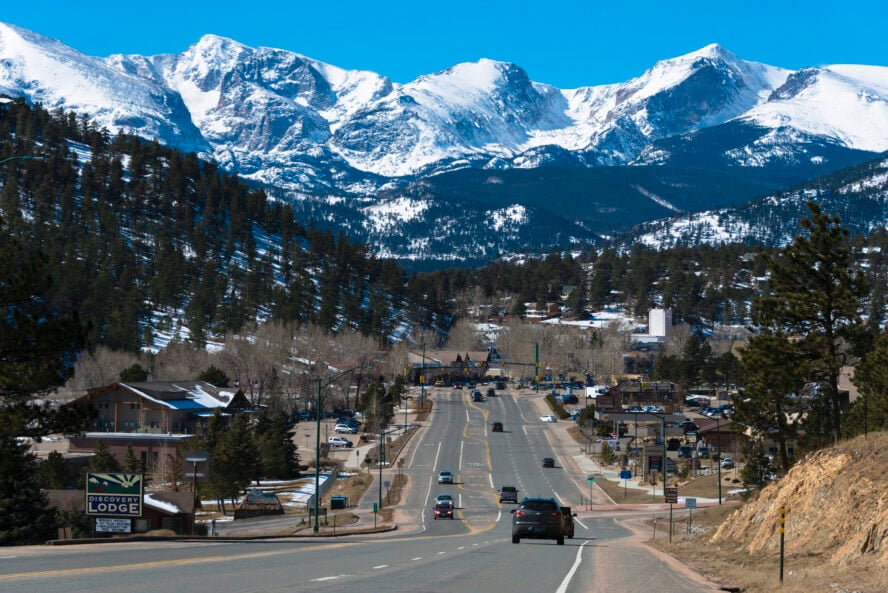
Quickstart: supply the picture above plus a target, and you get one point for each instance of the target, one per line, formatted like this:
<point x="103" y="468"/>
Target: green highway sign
<point x="590" y="479"/>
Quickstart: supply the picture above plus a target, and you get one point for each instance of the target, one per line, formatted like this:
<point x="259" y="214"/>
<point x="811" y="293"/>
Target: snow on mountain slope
<point x="846" y="103"/>
<point x="46" y="70"/>
<point x="280" y="117"/>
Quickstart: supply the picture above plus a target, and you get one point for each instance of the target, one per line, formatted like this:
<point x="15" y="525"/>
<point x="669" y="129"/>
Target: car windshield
<point x="538" y="505"/>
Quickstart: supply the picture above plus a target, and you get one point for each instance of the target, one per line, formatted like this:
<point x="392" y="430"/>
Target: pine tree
<point x="53" y="472"/>
<point x="274" y="440"/>
<point x="102" y="461"/>
<point x="24" y="517"/>
<point x="131" y="463"/>
<point x="814" y="294"/>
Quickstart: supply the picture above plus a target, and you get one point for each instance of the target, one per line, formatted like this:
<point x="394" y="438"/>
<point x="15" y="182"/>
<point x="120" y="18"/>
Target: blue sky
<point x="567" y="44"/>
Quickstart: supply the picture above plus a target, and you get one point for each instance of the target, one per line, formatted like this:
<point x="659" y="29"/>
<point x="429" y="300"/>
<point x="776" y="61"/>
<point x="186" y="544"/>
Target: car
<point x="345" y="428"/>
<point x="508" y="494"/>
<point x="444" y="498"/>
<point x="568" y="517"/>
<point x="477" y="397"/>
<point x="439" y="383"/>
<point x="445" y="477"/>
<point x="727" y="463"/>
<point x="339" y="442"/>
<point x="685" y="451"/>
<point x="496" y="427"/>
<point x="548" y="462"/>
<point x="491" y="392"/>
<point x="443" y="510"/>
<point x="538" y="518"/>
<point x="457" y="386"/>
<point x="501" y="385"/>
<point x="548" y="418"/>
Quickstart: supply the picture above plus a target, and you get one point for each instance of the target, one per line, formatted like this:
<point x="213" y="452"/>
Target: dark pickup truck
<point x="508" y="494"/>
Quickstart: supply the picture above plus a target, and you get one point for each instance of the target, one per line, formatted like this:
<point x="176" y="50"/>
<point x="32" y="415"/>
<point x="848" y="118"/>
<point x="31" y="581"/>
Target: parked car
<point x="508" y="494"/>
<point x="345" y="428"/>
<point x="685" y="451"/>
<point x="445" y="477"/>
<point x="727" y="463"/>
<point x="339" y="442"/>
<point x="548" y="462"/>
<point x="444" y="510"/>
<point x="548" y="418"/>
<point x="538" y="518"/>
<point x="496" y="427"/>
<point x="568" y="517"/>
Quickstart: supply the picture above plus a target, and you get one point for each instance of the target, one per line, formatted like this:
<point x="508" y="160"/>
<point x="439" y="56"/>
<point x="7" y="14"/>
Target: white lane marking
<point x="491" y="480"/>
<point x="467" y="416"/>
<point x="339" y="576"/>
<point x="381" y="566"/>
<point x="417" y="558"/>
<point x="461" y="548"/>
<point x="439" y="553"/>
<point x="7" y="557"/>
<point x="461" y="443"/>
<point x="557" y="496"/>
<point x="500" y="514"/>
<point x="562" y="588"/>
<point x="460" y="501"/>
<point x="438" y="452"/>
<point x="581" y="523"/>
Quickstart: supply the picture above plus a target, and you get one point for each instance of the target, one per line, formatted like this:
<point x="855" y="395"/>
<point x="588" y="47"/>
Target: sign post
<point x="671" y="496"/>
<point x="591" y="480"/>
<point x="625" y="475"/>
<point x="690" y="504"/>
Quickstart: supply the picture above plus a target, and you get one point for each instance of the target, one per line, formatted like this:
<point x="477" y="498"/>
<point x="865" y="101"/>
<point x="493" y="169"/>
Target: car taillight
<point x="557" y="514"/>
<point x="520" y="513"/>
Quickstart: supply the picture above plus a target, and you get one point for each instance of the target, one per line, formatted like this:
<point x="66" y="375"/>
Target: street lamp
<point x="321" y="382"/>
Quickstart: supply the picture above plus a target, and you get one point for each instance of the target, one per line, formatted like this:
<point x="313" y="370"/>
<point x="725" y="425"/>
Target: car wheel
<point x="570" y="535"/>
<point x="561" y="541"/>
<point x="516" y="539"/>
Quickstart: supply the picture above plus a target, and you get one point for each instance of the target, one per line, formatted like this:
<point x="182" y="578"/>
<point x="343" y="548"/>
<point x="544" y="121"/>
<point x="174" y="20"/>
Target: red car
<point x="443" y="510"/>
<point x="496" y="427"/>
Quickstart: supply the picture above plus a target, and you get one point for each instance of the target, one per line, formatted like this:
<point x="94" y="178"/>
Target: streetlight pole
<point x="718" y="456"/>
<point x="536" y="366"/>
<point x="321" y="381"/>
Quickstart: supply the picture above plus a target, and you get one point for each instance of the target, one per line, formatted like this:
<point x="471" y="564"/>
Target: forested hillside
<point x="144" y="241"/>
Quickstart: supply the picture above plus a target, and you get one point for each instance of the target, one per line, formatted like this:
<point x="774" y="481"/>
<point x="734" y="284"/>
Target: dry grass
<point x="730" y="566"/>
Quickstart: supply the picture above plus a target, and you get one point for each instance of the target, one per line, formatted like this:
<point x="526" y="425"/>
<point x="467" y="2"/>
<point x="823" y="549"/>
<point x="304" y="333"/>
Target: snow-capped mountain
<point x="858" y="195"/>
<point x="346" y="145"/>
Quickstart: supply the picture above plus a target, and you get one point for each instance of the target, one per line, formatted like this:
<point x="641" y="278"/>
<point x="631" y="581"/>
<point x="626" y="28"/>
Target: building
<point x="660" y="323"/>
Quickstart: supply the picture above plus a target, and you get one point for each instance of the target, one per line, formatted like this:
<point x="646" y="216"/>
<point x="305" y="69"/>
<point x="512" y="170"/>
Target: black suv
<point x="538" y="518"/>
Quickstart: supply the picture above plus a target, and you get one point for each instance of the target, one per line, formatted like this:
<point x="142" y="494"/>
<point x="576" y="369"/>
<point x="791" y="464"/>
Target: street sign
<point x="109" y="525"/>
<point x="195" y="475"/>
<point x="590" y="479"/>
<point x="671" y="495"/>
<point x="386" y="483"/>
<point x="625" y="474"/>
<point x="690" y="503"/>
<point x="196" y="456"/>
<point x="114" y="495"/>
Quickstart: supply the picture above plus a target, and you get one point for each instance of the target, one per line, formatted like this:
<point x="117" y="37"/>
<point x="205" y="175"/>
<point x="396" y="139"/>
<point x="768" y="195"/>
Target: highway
<point x="473" y="552"/>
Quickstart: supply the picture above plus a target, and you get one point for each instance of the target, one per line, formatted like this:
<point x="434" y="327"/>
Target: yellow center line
<point x="174" y="562"/>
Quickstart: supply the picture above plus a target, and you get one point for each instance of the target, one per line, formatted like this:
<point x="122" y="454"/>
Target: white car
<point x="339" y="442"/>
<point x="345" y="428"/>
<point x="549" y="418"/>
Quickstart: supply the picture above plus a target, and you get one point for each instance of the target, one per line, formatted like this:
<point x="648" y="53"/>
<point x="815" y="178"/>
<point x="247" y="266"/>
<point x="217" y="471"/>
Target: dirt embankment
<point x="836" y="504"/>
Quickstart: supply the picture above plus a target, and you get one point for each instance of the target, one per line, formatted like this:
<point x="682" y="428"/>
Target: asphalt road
<point x="470" y="553"/>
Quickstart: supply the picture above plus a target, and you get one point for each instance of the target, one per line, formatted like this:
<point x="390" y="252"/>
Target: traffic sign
<point x="625" y="474"/>
<point x="671" y="495"/>
<point x="590" y="479"/>
<point x="690" y="503"/>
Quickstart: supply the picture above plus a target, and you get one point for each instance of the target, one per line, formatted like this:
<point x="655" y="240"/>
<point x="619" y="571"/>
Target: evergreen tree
<point x="771" y="399"/>
<point x="274" y="440"/>
<point x="234" y="460"/>
<point x="134" y="374"/>
<point x="215" y="376"/>
<point x="131" y="463"/>
<point x="53" y="472"/>
<point x="870" y="411"/>
<point x="24" y="517"/>
<point x="102" y="461"/>
<point x="813" y="293"/>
